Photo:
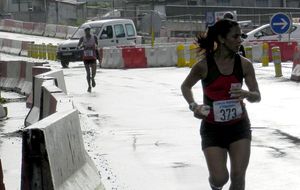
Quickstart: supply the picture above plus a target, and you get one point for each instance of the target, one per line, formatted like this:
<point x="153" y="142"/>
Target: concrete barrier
<point x="60" y="160"/>
<point x="36" y="70"/>
<point x="16" y="47"/>
<point x="57" y="131"/>
<point x="17" y="76"/>
<point x="39" y="29"/>
<point x="257" y="52"/>
<point x="6" y="45"/>
<point x="170" y="58"/>
<point x="151" y="54"/>
<point x="34" y="114"/>
<point x="71" y="31"/>
<point x="8" y="25"/>
<point x="53" y="99"/>
<point x="161" y="56"/>
<point x="27" y="28"/>
<point x="1" y="42"/>
<point x="61" y="31"/>
<point x="50" y="30"/>
<point x="18" y="26"/>
<point x="3" y="115"/>
<point x="25" y="48"/>
<point x="12" y="75"/>
<point x="1" y="25"/>
<point x="2" y="187"/>
<point x="295" y="76"/>
<point x="296" y="73"/>
<point x="112" y="58"/>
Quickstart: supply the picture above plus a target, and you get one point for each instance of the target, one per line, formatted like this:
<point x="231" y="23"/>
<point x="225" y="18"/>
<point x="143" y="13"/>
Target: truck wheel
<point x="65" y="64"/>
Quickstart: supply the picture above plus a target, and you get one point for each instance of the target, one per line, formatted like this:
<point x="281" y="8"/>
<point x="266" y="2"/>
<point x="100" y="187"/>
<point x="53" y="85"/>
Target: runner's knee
<point x="237" y="176"/>
<point x="219" y="180"/>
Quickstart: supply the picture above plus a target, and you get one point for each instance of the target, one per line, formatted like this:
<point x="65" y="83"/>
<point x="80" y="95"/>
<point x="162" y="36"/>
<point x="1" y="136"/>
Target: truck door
<point x="107" y="37"/>
<point x="120" y="34"/>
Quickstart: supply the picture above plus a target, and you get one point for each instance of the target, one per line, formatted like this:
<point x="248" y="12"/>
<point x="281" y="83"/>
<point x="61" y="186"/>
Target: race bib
<point x="88" y="53"/>
<point x="227" y="110"/>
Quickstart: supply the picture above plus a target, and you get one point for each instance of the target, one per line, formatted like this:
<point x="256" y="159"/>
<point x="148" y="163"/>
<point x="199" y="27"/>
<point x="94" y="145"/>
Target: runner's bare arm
<point x="96" y="40"/>
<point x="80" y="42"/>
<point x="253" y="94"/>
<point x="196" y="74"/>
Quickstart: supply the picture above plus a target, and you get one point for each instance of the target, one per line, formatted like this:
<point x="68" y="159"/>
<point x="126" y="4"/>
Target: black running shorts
<point x="87" y="62"/>
<point x="223" y="135"/>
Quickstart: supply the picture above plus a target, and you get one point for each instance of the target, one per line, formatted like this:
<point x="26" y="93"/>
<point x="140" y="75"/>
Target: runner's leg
<point x="88" y="75"/>
<point x="216" y="159"/>
<point x="94" y="68"/>
<point x="239" y="153"/>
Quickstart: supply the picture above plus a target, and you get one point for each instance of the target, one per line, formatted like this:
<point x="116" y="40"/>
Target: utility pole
<point x="284" y="3"/>
<point x="152" y="27"/>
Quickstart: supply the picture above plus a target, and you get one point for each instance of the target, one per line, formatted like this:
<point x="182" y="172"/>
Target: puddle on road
<point x="180" y="165"/>
<point x="288" y="137"/>
<point x="276" y="152"/>
<point x="278" y="142"/>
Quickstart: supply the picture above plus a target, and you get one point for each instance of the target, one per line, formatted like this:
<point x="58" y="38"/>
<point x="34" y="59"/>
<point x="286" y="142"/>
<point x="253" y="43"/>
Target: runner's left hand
<point x="239" y="93"/>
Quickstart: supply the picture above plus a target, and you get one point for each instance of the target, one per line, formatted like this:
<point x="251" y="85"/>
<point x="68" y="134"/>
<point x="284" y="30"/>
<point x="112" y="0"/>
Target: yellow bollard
<point x="276" y="55"/>
<point x="29" y="54"/>
<point x="35" y="51"/>
<point x="180" y="56"/>
<point x="265" y="55"/>
<point x="248" y="51"/>
<point x="193" y="55"/>
<point x="54" y="51"/>
<point x="40" y="51"/>
<point x="44" y="51"/>
<point x="32" y="50"/>
<point x="49" y="49"/>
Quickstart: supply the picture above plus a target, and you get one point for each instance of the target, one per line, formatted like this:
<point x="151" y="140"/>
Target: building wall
<point x="66" y="14"/>
<point x="13" y="6"/>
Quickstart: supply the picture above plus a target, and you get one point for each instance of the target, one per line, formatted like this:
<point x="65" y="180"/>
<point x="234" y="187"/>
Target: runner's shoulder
<point x="200" y="67"/>
<point x="202" y="63"/>
<point x="246" y="63"/>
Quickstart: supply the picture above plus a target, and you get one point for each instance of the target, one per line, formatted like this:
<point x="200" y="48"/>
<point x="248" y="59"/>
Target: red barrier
<point x="134" y="57"/>
<point x="3" y="69"/>
<point x="9" y="24"/>
<point x="36" y="70"/>
<point x="2" y="187"/>
<point x="287" y="49"/>
<point x="27" y="28"/>
<point x="38" y="29"/>
<point x="18" y="26"/>
<point x="22" y="70"/>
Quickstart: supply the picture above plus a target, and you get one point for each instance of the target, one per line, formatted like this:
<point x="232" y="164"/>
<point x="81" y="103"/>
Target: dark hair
<point x="228" y="15"/>
<point x="220" y="28"/>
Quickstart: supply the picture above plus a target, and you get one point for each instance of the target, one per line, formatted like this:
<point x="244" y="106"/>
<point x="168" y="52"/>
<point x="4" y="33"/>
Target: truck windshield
<point x="80" y="32"/>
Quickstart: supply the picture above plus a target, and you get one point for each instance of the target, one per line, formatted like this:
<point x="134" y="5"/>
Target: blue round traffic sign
<point x="280" y="23"/>
<point x="210" y="18"/>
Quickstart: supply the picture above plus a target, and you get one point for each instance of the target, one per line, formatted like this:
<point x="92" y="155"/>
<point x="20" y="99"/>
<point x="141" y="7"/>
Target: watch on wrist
<point x="193" y="106"/>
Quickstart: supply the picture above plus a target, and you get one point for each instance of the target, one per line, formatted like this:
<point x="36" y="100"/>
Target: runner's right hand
<point x="201" y="111"/>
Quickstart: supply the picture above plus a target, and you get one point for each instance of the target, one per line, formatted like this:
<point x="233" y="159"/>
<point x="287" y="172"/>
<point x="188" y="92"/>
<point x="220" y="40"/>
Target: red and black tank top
<point x="216" y="87"/>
